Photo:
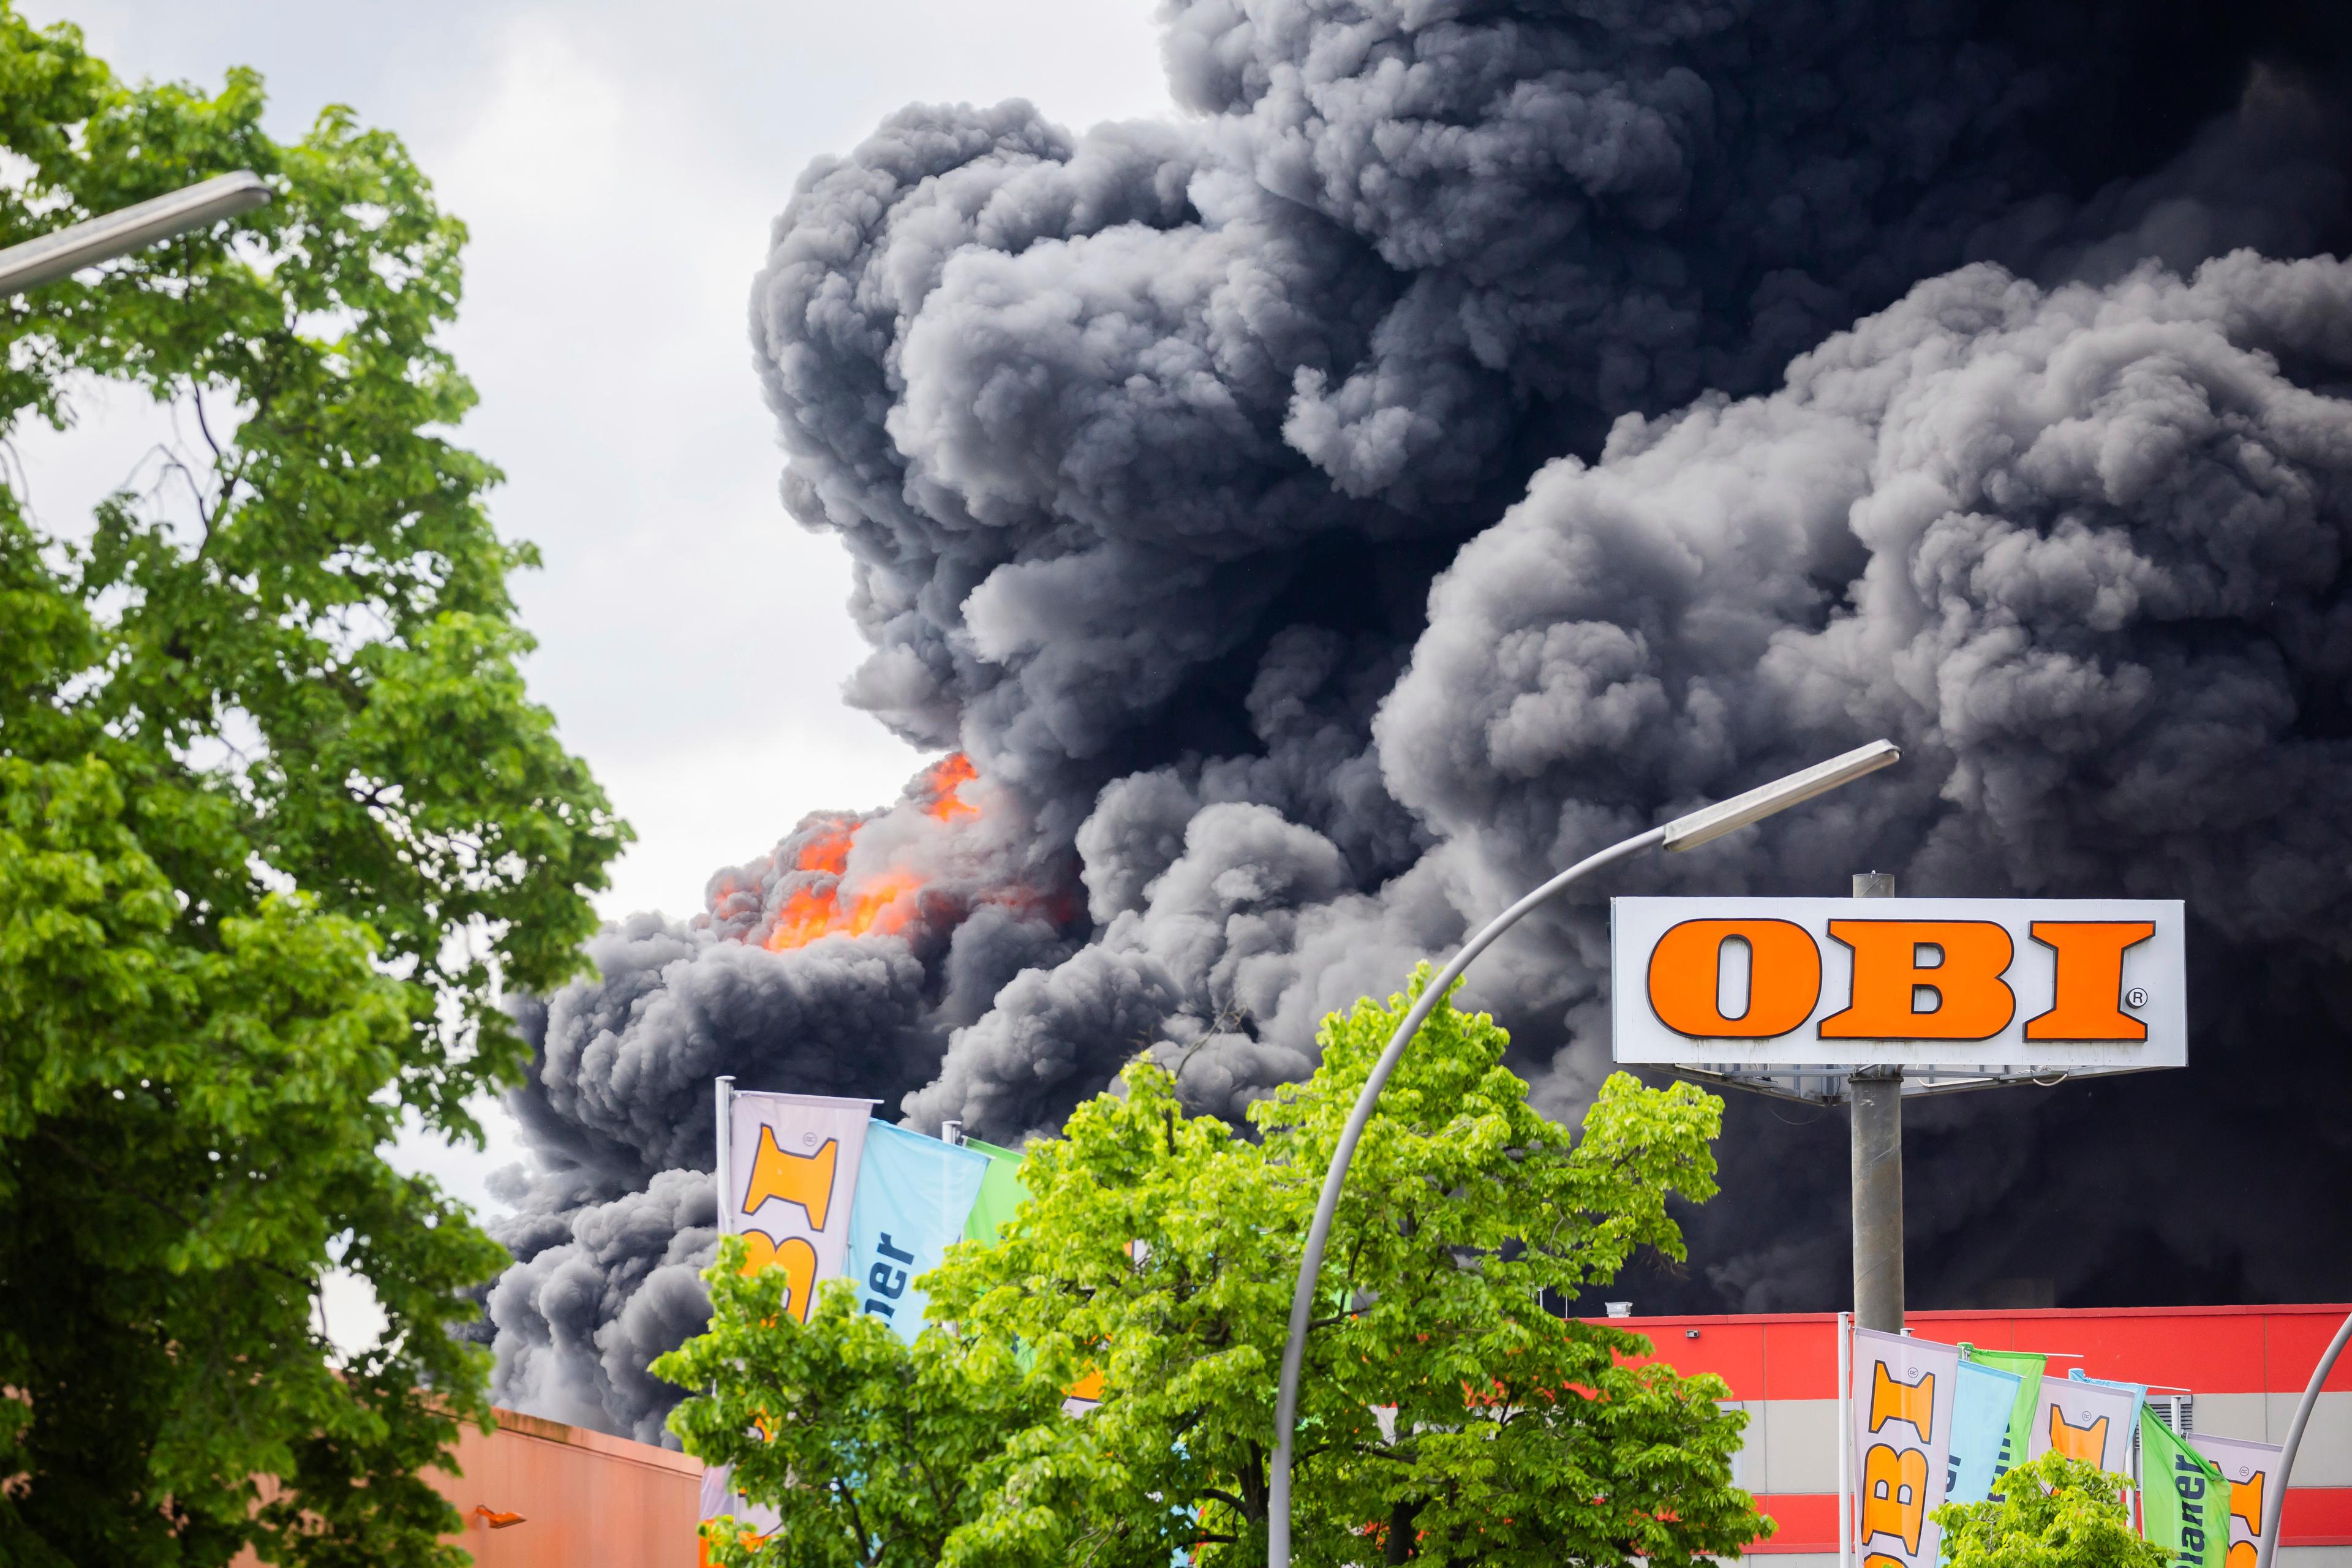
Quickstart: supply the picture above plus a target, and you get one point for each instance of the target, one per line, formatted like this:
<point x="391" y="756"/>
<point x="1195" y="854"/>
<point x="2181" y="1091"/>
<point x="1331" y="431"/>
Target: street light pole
<point x="2274" y="1505"/>
<point x="50" y="256"/>
<point x="1684" y="833"/>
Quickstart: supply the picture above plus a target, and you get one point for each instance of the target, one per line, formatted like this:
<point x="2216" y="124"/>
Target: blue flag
<point x="913" y="1194"/>
<point x="1981" y="1402"/>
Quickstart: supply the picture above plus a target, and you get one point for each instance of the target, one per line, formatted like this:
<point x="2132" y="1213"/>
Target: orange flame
<point x="943" y="779"/>
<point x="885" y="903"/>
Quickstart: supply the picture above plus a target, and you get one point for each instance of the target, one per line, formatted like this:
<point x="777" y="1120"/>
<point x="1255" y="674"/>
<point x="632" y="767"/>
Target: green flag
<point x="2184" y="1502"/>
<point x="1001" y="1192"/>
<point x="2028" y="1367"/>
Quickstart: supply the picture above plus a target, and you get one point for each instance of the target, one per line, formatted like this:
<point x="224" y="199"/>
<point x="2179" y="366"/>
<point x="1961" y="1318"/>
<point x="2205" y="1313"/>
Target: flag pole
<point x="1845" y="1439"/>
<point x="721" y="1174"/>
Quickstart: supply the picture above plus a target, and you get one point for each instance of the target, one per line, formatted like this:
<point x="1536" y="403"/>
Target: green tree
<point x="1444" y="1415"/>
<point x="911" y="1438"/>
<point x="2056" y="1512"/>
<point x="278" y="821"/>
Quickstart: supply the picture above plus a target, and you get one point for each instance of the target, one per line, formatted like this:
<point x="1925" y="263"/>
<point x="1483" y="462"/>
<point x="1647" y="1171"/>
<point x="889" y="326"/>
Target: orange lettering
<point x="795" y="1257"/>
<point x="802" y="1179"/>
<point x="1971" y="1000"/>
<point x="1893" y="1494"/>
<point x="2088" y="1444"/>
<point x="1880" y="1560"/>
<point x="2088" y="1000"/>
<point x="2244" y="1554"/>
<point x="1784" y="979"/>
<point x="748" y="1542"/>
<point x="2246" y="1503"/>
<point x="1891" y="1399"/>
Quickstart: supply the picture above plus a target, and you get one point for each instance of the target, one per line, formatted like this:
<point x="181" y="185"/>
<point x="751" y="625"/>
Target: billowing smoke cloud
<point x="1483" y="430"/>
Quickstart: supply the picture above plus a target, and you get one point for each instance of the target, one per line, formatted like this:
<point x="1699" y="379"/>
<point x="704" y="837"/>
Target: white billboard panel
<point x="2005" y="984"/>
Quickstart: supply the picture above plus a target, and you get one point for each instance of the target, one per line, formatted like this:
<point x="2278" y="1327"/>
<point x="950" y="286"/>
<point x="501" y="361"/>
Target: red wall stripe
<point x="2208" y="1350"/>
<point x="2315" y="1516"/>
<point x="1807" y="1523"/>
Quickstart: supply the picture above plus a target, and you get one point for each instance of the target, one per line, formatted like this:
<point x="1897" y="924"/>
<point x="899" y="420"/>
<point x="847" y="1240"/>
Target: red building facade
<point x="2240" y="1369"/>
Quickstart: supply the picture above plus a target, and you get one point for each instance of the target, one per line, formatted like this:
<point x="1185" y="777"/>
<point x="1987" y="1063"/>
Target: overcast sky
<point x="618" y="165"/>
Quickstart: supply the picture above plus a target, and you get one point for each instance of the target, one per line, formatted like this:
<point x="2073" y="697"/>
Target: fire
<point x="824" y="903"/>
<point x="942" y="781"/>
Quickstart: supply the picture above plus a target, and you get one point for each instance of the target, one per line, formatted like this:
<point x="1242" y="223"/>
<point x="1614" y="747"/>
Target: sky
<point x="618" y="165"/>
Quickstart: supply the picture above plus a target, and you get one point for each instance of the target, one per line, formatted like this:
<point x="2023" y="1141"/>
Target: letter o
<point x="1784" y="978"/>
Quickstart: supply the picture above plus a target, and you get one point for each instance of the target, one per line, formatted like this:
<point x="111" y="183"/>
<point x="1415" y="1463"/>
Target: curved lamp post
<point x="49" y="257"/>
<point x="2274" y="1505"/>
<point x="1683" y="833"/>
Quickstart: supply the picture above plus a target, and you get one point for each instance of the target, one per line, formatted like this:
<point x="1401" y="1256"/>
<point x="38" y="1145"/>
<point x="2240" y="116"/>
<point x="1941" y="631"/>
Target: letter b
<point x="1895" y="1494"/>
<point x="1972" y="1002"/>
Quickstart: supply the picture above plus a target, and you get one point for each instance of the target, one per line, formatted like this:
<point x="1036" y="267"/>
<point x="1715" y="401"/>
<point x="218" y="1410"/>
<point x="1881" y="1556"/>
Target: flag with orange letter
<point x="2087" y="1421"/>
<point x="2247" y="1468"/>
<point x="1903" y="1394"/>
<point x="793" y="1170"/>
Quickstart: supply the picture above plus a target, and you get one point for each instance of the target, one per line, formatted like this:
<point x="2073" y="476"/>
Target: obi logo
<point x="802" y="1179"/>
<point x="2246" y="1503"/>
<point x="2087" y="1442"/>
<point x="1891" y="1399"/>
<point x="1895" y="1479"/>
<point x="1895" y="1494"/>
<point x="1913" y="980"/>
<point x="806" y="1180"/>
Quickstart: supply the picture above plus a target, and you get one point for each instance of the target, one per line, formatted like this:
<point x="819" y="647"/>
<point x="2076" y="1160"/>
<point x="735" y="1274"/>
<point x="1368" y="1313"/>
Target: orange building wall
<point x="586" y="1500"/>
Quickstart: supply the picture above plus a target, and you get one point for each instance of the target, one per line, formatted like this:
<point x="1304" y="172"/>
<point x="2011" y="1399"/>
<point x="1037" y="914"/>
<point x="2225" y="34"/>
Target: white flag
<point x="792" y="1168"/>
<point x="2250" y="1468"/>
<point x="1903" y="1394"/>
<point x="2092" y="1422"/>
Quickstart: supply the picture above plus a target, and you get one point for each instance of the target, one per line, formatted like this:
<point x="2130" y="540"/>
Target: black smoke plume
<point x="1479" y="429"/>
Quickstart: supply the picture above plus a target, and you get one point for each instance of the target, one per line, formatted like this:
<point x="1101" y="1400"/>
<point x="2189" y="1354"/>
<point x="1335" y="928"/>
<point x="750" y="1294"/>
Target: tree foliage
<point x="1445" y="1416"/>
<point x="277" y="819"/>
<point x="2056" y="1512"/>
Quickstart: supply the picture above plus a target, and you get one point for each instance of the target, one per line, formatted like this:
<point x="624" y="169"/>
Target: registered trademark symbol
<point x="2135" y="997"/>
<point x="808" y="1139"/>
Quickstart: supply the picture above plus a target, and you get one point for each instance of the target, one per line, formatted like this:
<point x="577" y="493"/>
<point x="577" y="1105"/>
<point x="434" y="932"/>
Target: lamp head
<point x="1711" y="822"/>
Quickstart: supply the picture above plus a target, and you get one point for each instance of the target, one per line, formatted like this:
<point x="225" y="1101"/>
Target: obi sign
<point x="2002" y="984"/>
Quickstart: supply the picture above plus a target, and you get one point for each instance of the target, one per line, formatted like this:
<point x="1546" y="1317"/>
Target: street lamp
<point x="68" y="250"/>
<point x="1684" y="833"/>
<point x="2274" y="1505"/>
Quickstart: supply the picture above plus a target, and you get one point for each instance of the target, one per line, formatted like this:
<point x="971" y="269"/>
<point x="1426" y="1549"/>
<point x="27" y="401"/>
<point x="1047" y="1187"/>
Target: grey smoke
<point x="585" y="1310"/>
<point x="1487" y="427"/>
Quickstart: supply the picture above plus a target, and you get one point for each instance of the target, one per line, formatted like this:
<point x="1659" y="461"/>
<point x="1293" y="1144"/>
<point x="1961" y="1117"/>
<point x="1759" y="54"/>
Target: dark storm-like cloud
<point x="1479" y="429"/>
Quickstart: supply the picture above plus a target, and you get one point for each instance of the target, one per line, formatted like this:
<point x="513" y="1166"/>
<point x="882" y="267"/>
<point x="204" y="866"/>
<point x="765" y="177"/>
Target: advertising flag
<point x="2087" y="1421"/>
<point x="1001" y="1192"/>
<point x="2139" y="1391"/>
<point x="1984" y="1398"/>
<point x="914" y="1195"/>
<point x="2027" y="1365"/>
<point x="755" y="1521"/>
<point x="2182" y="1497"/>
<point x="1902" y="1395"/>
<point x="793" y="1166"/>
<point x="2247" y="1470"/>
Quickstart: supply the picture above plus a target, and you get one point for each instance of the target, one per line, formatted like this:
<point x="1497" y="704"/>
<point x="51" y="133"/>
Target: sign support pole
<point x="1875" y="1097"/>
